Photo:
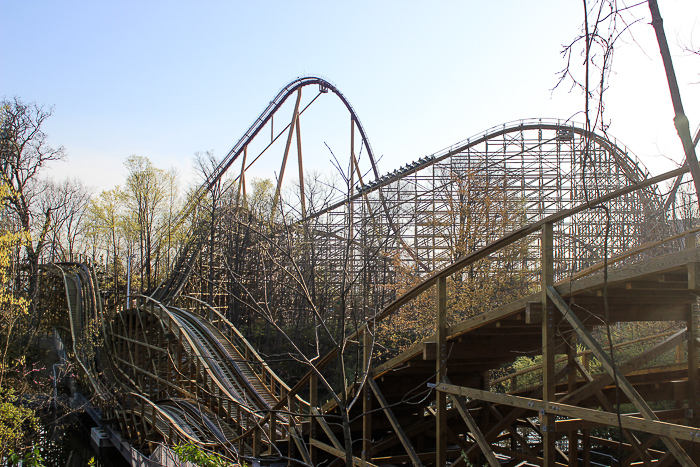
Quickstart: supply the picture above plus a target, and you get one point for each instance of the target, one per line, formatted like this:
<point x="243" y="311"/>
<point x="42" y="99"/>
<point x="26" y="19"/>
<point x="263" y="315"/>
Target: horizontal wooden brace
<point x="141" y="343"/>
<point x="683" y="432"/>
<point x="577" y="423"/>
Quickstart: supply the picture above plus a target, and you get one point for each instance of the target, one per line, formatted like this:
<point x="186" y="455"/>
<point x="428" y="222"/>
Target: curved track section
<point x="86" y="319"/>
<point x="369" y="243"/>
<point x="170" y="353"/>
<point x="172" y="286"/>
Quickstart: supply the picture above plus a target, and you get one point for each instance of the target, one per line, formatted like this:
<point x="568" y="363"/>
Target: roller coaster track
<point x="179" y="370"/>
<point x="223" y="371"/>
<point x="227" y="365"/>
<point x="170" y="288"/>
<point x="174" y="419"/>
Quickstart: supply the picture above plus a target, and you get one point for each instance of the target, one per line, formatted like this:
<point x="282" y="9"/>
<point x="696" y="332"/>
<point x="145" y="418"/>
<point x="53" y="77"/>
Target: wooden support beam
<point x="299" y="442"/>
<point x="512" y="429"/>
<point x="578" y="424"/>
<point x="640" y="360"/>
<point x="586" y="447"/>
<point x="475" y="431"/>
<point x="302" y="196"/>
<point x="340" y="454"/>
<point x="608" y="406"/>
<point x="394" y="423"/>
<point x="313" y="404"/>
<point x="621" y="381"/>
<point x="529" y="459"/>
<point x="440" y="360"/>
<point x="570" y="386"/>
<point x="292" y="126"/>
<point x="694" y="359"/>
<point x="645" y="448"/>
<point x="367" y="342"/>
<point x="327" y="429"/>
<point x="548" y="351"/>
<point x="514" y="414"/>
<point x="682" y="432"/>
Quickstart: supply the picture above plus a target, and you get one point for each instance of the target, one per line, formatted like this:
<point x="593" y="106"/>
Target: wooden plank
<point x="394" y="422"/>
<point x="660" y="428"/>
<point x="577" y="423"/>
<point x="339" y="454"/>
<point x="475" y="431"/>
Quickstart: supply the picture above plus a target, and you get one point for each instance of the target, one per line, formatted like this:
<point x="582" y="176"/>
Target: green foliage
<point x="192" y="453"/>
<point x="32" y="458"/>
<point x="16" y="423"/>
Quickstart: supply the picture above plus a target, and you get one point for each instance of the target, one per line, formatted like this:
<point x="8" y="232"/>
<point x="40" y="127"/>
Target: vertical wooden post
<point x="291" y="423"/>
<point x="571" y="387"/>
<point x="694" y="360"/>
<point x="548" y="356"/>
<point x="313" y="404"/>
<point x="440" y="360"/>
<point x="273" y="430"/>
<point x="586" y="447"/>
<point x="693" y="335"/>
<point x="256" y="441"/>
<point x="367" y="396"/>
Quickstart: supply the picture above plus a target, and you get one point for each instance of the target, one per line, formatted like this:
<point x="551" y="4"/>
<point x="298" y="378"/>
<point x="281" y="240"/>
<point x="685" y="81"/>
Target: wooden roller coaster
<point x="463" y="309"/>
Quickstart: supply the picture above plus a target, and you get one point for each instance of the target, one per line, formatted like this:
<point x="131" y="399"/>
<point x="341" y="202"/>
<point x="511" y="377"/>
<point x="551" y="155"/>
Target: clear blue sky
<point x="166" y="79"/>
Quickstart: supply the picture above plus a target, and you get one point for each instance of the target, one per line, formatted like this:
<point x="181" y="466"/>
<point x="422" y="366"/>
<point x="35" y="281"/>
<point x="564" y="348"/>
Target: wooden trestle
<point x="437" y="402"/>
<point x="434" y="404"/>
<point x="570" y="402"/>
<point x="176" y="374"/>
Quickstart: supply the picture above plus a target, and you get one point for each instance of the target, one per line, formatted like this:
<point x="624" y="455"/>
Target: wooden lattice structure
<point x="527" y="240"/>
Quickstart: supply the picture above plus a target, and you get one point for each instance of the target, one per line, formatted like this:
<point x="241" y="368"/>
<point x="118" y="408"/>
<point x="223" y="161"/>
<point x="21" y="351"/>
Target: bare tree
<point x="71" y="199"/>
<point x="24" y="152"/>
